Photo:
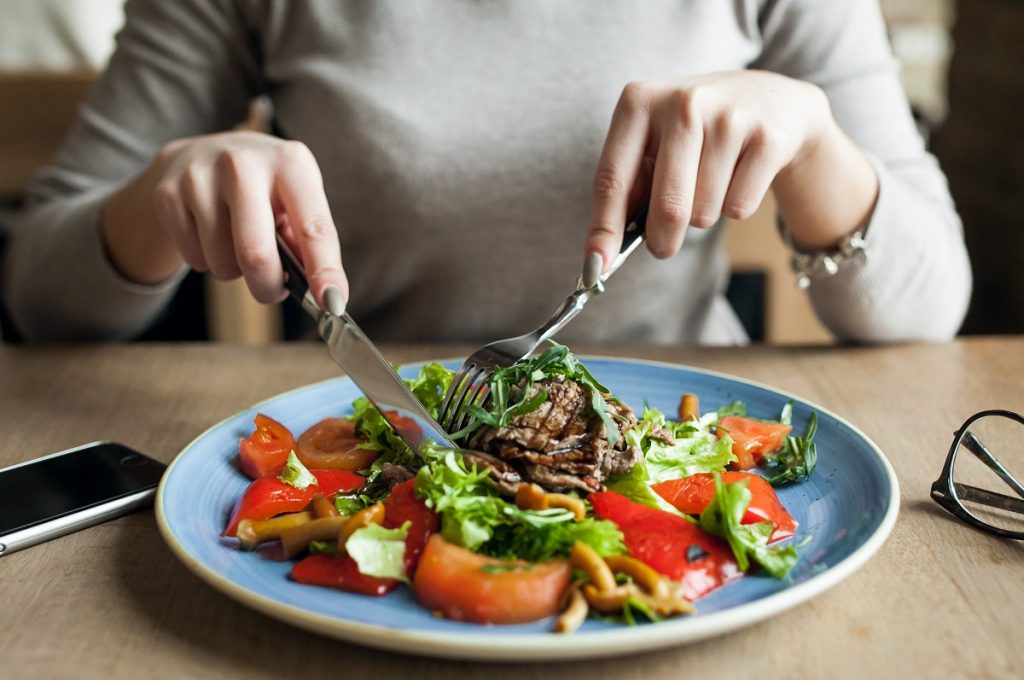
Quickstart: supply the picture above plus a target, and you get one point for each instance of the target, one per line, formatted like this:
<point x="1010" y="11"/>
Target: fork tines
<point x="468" y="387"/>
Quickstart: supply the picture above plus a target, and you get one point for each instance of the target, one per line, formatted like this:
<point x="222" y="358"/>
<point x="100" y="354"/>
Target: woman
<point x="461" y="154"/>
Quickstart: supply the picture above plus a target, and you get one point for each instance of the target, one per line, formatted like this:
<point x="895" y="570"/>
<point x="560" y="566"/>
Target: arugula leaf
<point x="512" y="391"/>
<point x="378" y="551"/>
<point x="353" y="503"/>
<point x="475" y="516"/>
<point x="799" y="455"/>
<point x="748" y="541"/>
<point x="296" y="474"/>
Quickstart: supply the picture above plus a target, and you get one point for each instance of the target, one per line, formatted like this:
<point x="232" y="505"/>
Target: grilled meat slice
<point x="563" y="444"/>
<point x="504" y="476"/>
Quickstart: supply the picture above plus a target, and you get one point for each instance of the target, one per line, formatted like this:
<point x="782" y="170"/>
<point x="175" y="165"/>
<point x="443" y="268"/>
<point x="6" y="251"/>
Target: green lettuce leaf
<point x="694" y="449"/>
<point x="475" y="516"/>
<point x="296" y="474"/>
<point x="429" y="387"/>
<point x="636" y="486"/>
<point x="378" y="551"/>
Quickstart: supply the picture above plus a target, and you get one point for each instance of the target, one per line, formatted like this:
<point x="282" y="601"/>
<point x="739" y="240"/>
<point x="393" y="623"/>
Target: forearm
<point x="58" y="283"/>
<point x="828" y="192"/>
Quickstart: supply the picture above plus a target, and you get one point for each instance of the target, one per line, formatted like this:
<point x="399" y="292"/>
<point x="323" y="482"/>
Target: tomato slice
<point x="332" y="444"/>
<point x="752" y="439"/>
<point x="465" y="586"/>
<point x="670" y="544"/>
<point x="402" y="505"/>
<point x="267" y="448"/>
<point x="692" y="495"/>
<point x="332" y="571"/>
<point x="269" y="496"/>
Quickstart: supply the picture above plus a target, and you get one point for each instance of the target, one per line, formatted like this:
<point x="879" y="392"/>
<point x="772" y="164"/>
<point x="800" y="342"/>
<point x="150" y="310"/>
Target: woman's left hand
<point x="712" y="145"/>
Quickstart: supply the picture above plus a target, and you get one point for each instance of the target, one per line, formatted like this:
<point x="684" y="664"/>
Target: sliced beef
<point x="563" y="444"/>
<point x="393" y="475"/>
<point x="506" y="477"/>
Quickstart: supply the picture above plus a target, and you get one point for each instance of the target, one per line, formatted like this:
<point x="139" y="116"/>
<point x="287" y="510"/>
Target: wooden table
<point x="939" y="599"/>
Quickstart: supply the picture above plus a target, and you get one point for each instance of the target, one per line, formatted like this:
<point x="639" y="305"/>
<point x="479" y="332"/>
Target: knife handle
<point x="295" y="279"/>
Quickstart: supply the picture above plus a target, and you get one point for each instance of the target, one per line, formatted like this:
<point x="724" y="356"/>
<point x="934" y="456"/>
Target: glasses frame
<point x="948" y="495"/>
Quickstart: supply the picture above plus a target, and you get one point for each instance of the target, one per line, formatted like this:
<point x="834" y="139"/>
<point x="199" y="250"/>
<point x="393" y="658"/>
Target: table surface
<point x="112" y="601"/>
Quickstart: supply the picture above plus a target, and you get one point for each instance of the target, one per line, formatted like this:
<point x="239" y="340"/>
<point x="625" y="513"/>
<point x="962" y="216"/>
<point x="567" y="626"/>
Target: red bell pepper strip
<point x="669" y="544"/>
<point x="343" y="573"/>
<point x="269" y="496"/>
<point x="333" y="571"/>
<point x="693" y="494"/>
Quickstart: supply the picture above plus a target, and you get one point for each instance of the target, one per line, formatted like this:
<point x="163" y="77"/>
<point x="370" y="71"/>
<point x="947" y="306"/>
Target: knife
<point x="360" y="359"/>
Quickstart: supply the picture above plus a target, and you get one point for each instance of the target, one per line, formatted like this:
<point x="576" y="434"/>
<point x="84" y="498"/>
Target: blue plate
<point x="846" y="511"/>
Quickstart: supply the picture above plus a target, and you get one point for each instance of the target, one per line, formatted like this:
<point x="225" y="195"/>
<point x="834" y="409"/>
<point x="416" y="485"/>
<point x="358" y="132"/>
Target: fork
<point x="469" y="386"/>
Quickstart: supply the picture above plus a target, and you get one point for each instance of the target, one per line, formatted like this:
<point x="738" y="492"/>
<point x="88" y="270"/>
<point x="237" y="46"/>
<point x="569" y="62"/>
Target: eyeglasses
<point x="974" y="482"/>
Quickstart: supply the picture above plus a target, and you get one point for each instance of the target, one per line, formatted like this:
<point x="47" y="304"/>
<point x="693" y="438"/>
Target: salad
<point x="565" y="503"/>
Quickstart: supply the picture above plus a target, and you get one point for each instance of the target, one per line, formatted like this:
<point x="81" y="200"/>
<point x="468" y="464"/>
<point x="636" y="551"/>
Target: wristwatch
<point x="822" y="264"/>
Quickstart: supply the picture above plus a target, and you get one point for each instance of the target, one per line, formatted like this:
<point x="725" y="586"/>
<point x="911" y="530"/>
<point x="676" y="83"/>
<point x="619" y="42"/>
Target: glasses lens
<point x="988" y="475"/>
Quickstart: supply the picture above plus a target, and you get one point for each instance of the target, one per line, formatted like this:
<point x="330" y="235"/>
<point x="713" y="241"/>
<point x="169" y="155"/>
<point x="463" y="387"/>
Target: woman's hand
<point x="215" y="202"/>
<point x="712" y="145"/>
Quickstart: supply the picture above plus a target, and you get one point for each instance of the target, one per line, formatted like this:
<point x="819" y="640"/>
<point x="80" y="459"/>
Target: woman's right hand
<point x="215" y="202"/>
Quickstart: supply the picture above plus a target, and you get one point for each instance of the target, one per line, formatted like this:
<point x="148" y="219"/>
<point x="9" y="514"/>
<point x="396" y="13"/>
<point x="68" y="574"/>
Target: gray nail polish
<point x="592" y="269"/>
<point x="334" y="300"/>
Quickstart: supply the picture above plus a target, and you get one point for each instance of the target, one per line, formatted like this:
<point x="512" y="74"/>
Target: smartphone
<point x="70" y="490"/>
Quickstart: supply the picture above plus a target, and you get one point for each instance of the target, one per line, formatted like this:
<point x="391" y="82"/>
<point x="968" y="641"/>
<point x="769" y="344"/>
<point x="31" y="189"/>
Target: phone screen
<point x="56" y="486"/>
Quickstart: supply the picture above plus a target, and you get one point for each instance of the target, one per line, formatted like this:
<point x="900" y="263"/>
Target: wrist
<point x="136" y="245"/>
<point x="828" y="191"/>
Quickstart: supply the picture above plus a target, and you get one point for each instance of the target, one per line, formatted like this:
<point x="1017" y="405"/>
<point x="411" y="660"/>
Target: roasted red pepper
<point x="332" y="571"/>
<point x="269" y="496"/>
<point x="692" y="494"/>
<point x="400" y="506"/>
<point x="670" y="544"/>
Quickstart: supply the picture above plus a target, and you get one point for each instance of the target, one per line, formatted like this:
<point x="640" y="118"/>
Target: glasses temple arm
<point x="975" y="446"/>
<point x="990" y="498"/>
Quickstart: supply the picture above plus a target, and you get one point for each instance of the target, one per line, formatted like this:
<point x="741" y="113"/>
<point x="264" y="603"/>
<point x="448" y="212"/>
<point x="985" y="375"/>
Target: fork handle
<point x="632" y="237"/>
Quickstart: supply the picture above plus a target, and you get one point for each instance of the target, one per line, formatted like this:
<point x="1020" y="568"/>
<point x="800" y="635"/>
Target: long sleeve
<point x="180" y="69"/>
<point x="916" y="281"/>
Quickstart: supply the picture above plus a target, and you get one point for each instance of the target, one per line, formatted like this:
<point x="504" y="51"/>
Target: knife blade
<point x="360" y="359"/>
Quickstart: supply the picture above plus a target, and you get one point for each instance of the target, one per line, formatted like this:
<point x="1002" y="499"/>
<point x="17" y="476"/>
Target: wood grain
<point x="111" y="601"/>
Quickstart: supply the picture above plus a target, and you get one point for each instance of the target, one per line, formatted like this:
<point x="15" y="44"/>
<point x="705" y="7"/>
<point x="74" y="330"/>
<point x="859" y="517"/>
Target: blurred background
<point x="960" y="64"/>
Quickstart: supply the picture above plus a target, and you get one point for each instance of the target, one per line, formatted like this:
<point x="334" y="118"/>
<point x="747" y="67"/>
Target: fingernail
<point x="334" y="300"/>
<point x="592" y="269"/>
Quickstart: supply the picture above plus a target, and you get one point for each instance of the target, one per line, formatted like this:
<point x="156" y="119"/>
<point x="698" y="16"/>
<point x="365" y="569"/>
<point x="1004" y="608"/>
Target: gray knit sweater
<point x="458" y="140"/>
